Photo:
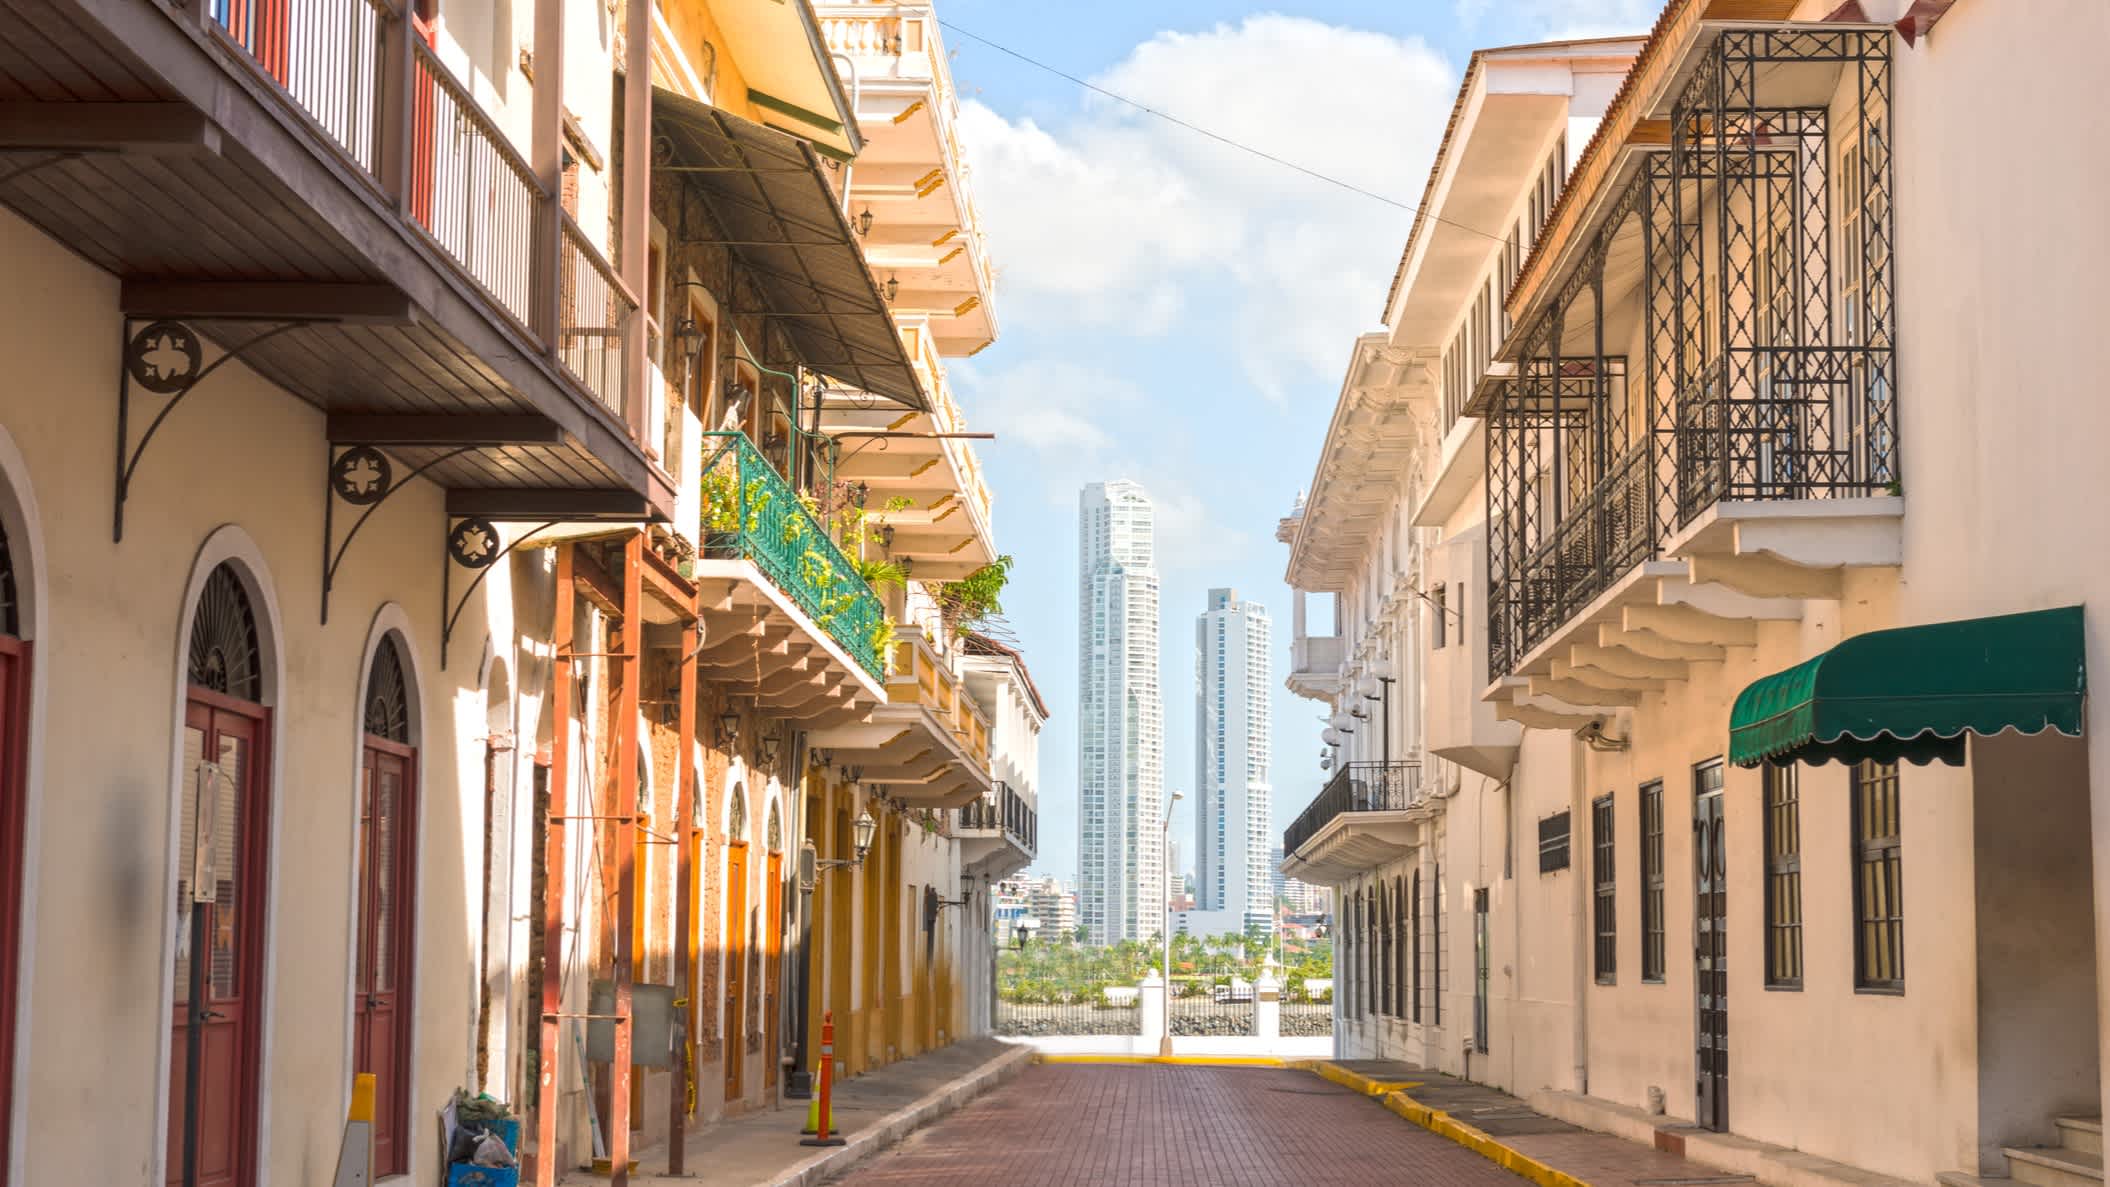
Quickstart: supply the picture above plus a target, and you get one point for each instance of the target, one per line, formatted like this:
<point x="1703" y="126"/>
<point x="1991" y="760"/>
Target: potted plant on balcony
<point x="975" y="599"/>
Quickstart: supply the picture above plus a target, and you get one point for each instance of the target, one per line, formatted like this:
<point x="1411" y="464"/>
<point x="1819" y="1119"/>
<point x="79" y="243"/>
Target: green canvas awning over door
<point x="1912" y="693"/>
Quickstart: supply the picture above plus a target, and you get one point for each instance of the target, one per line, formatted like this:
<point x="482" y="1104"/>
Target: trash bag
<point x="491" y="1151"/>
<point x="464" y="1145"/>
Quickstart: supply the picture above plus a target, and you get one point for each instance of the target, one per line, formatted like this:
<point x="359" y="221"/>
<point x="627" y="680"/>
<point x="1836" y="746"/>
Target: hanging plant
<point x="882" y="641"/>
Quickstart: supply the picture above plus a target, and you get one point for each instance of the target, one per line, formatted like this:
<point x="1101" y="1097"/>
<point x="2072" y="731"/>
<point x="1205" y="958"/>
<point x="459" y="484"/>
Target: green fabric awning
<point x="1912" y="693"/>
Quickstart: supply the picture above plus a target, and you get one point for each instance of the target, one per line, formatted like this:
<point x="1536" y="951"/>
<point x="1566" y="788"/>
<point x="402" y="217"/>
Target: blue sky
<point x="1180" y="313"/>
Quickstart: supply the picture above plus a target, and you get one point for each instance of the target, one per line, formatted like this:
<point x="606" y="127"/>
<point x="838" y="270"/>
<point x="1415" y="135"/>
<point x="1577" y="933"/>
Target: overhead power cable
<point x="1218" y="137"/>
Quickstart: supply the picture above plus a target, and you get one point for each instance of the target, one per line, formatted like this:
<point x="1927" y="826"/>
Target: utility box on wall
<point x="653" y="1024"/>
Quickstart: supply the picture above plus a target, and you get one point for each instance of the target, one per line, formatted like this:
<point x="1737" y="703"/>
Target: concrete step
<point x="2042" y="1166"/>
<point x="1960" y="1179"/>
<point x="2081" y="1133"/>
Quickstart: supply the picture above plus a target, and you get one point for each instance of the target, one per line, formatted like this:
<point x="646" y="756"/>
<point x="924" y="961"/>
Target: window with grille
<point x="1603" y="906"/>
<point x="1414" y="941"/>
<point x="1481" y="959"/>
<point x="1783" y="824"/>
<point x="1652" y="947"/>
<point x="1879" y="912"/>
<point x="1553" y="843"/>
<point x="1439" y="628"/>
<point x="1436" y="949"/>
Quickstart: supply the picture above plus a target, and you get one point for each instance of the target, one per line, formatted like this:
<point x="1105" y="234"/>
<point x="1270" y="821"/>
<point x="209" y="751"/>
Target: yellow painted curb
<point x="1169" y="1060"/>
<point x="1394" y="1097"/>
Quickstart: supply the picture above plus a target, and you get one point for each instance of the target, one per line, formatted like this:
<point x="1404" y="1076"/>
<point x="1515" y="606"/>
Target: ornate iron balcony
<point x="750" y="512"/>
<point x="1753" y="282"/>
<point x="1356" y="787"/>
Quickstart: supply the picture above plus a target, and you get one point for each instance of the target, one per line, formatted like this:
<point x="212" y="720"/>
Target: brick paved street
<point x="1097" y="1126"/>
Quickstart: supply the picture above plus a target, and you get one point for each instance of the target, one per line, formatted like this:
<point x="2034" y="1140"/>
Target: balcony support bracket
<point x="167" y="359"/>
<point x="472" y="544"/>
<point x="361" y="477"/>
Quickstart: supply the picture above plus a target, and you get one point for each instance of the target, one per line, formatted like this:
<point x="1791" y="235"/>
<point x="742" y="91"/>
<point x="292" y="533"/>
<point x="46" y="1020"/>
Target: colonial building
<point x="1740" y="504"/>
<point x="494" y="611"/>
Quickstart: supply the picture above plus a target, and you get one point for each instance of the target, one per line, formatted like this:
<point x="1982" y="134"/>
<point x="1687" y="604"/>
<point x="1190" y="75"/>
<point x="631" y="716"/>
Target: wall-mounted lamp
<point x="860" y="491"/>
<point x="893" y="287"/>
<point x="811" y="863"/>
<point x="770" y="742"/>
<point x="864" y="223"/>
<point x="728" y="727"/>
<point x="908" y="566"/>
<point x="689" y="336"/>
<point x="886" y="536"/>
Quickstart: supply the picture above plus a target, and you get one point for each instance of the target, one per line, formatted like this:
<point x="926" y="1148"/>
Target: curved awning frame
<point x="1912" y="693"/>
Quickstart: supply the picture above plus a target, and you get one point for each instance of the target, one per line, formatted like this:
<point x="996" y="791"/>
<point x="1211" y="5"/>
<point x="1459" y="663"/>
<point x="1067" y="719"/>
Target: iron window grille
<point x="1652" y="946"/>
<point x="1401" y="1005"/>
<point x="1554" y="832"/>
<point x="1414" y="942"/>
<point x="1604" y="907"/>
<point x="1436" y="950"/>
<point x="1879" y="912"/>
<point x="1783" y="825"/>
<point x="1439" y="630"/>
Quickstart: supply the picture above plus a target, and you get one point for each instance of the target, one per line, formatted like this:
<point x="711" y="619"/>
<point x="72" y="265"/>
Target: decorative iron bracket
<point x="472" y="544"/>
<point x="166" y="358"/>
<point x="363" y="477"/>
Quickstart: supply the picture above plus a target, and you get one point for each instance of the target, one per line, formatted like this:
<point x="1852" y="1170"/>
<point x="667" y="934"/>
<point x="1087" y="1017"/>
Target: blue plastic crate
<point x="507" y="1129"/>
<point x="462" y="1174"/>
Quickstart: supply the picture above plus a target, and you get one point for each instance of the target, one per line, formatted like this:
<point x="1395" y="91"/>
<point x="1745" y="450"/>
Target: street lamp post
<point x="811" y="863"/>
<point x="1165" y="1040"/>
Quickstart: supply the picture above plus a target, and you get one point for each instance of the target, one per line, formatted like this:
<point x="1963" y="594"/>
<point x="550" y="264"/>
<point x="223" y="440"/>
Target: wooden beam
<point x="268" y="300"/>
<point x="28" y="125"/>
<point x="482" y="429"/>
<point x="550" y="1030"/>
<point x="597" y="583"/>
<point x="562" y="503"/>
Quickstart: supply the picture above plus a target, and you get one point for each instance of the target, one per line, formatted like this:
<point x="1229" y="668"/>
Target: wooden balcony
<point x="928" y="745"/>
<point x="309" y="186"/>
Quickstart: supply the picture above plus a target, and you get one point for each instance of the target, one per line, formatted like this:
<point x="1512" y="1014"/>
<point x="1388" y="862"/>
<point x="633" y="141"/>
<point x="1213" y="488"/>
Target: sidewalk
<point x="872" y="1112"/>
<point x="1554" y="1153"/>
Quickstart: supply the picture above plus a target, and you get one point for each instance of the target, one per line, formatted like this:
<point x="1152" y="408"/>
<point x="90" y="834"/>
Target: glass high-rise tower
<point x="1120" y="718"/>
<point x="1233" y="812"/>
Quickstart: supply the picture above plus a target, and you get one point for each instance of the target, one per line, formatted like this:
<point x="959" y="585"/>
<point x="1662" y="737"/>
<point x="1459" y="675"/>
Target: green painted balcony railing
<point x="750" y="512"/>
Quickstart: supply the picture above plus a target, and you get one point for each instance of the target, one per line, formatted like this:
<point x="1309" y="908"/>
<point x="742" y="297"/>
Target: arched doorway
<point x="14" y="752"/>
<point x="737" y="930"/>
<point x="381" y="975"/>
<point x="222" y="856"/>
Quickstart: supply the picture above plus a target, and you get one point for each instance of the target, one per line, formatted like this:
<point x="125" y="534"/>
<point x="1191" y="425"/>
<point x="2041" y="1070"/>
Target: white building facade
<point x="1120" y="718"/>
<point x="1733" y="503"/>
<point x="1234" y="804"/>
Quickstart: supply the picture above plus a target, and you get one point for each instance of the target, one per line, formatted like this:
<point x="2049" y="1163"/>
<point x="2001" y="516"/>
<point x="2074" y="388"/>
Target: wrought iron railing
<point x="983" y="815"/>
<point x="470" y="190"/>
<point x="364" y="75"/>
<point x="1356" y="787"/>
<point x="593" y="319"/>
<point x="1765" y="321"/>
<point x="751" y="512"/>
<point x="327" y="56"/>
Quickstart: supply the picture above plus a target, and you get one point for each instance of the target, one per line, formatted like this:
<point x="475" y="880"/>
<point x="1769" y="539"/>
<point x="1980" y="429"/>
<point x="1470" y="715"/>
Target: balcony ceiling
<point x="758" y="643"/>
<point x="922" y="232"/>
<point x="946" y="532"/>
<point x="1380" y="420"/>
<point x="249" y="217"/>
<point x="907" y="751"/>
<point x="778" y="46"/>
<point x="1354" y="843"/>
<point x="774" y="206"/>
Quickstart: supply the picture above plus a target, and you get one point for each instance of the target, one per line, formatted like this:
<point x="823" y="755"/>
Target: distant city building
<point x="1274" y="865"/>
<point x="1235" y="864"/>
<point x="1120" y="718"/>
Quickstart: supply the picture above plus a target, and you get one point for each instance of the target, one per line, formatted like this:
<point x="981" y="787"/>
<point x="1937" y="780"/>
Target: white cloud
<point x="1111" y="220"/>
<point x="1560" y="20"/>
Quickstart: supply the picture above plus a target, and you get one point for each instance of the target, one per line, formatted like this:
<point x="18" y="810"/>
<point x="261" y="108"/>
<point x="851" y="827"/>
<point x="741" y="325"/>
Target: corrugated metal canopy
<point x="768" y="193"/>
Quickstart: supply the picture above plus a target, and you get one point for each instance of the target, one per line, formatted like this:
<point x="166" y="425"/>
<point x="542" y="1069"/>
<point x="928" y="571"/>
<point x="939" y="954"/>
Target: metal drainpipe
<point x="856" y="89"/>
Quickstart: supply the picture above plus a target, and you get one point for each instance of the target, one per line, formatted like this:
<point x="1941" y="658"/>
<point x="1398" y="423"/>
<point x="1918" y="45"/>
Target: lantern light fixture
<point x="864" y="223"/>
<point x="893" y="287"/>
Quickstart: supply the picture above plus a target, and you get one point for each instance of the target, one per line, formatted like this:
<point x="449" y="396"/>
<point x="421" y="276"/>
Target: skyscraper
<point x="1233" y="821"/>
<point x="1120" y="718"/>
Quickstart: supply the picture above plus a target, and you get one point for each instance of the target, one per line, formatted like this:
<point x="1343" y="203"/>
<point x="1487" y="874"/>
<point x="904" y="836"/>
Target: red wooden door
<point x="14" y="736"/>
<point x="224" y="764"/>
<point x="380" y="1003"/>
<point x="735" y="965"/>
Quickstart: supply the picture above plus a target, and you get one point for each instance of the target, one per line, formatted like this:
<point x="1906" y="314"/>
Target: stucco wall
<point x="96" y="993"/>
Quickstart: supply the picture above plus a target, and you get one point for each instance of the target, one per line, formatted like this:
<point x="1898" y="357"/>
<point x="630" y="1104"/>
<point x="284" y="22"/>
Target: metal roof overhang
<point x="782" y="221"/>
